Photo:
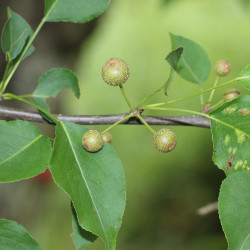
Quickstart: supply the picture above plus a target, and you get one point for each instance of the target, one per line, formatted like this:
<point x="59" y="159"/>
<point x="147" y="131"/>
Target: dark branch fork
<point x="7" y="113"/>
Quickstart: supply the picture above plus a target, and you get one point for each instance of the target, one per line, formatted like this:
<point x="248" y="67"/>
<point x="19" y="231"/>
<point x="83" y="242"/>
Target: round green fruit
<point x="165" y="140"/>
<point x="115" y="72"/>
<point x="92" y="140"/>
<point x="107" y="137"/>
<point x="231" y="94"/>
<point x="222" y="67"/>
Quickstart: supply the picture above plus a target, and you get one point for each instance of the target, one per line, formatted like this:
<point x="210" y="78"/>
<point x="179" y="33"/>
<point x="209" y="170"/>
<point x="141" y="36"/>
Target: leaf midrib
<point x="90" y="194"/>
<point x="191" y="71"/>
<point x="21" y="150"/>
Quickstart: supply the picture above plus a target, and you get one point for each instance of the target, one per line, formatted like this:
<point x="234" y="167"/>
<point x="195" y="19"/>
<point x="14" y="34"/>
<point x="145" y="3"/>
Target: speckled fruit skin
<point x="107" y="137"/>
<point x="165" y="140"/>
<point x="231" y="94"/>
<point x="115" y="72"/>
<point x="222" y="67"/>
<point x="92" y="140"/>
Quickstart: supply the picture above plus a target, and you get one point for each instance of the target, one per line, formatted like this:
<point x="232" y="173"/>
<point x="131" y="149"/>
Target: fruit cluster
<point x="115" y="72"/>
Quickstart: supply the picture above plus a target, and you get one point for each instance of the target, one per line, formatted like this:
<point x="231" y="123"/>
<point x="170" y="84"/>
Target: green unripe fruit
<point x="222" y="67"/>
<point x="165" y="140"/>
<point x="231" y="94"/>
<point x="115" y="72"/>
<point x="107" y="137"/>
<point x="92" y="140"/>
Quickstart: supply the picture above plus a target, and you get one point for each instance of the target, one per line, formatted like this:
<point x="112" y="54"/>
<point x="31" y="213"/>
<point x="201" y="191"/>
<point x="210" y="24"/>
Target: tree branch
<point x="7" y="113"/>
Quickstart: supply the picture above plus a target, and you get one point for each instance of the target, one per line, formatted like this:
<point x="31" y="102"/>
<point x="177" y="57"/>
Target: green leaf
<point x="194" y="65"/>
<point x="24" y="152"/>
<point x="15" y="35"/>
<point x="234" y="204"/>
<point x="231" y="135"/>
<point x="15" y="237"/>
<point x="81" y="237"/>
<point x="50" y="84"/>
<point x="94" y="181"/>
<point x="76" y="11"/>
<point x="173" y="57"/>
<point x="244" y="77"/>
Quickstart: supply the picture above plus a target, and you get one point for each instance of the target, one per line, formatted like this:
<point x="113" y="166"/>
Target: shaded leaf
<point x="24" y="152"/>
<point x="194" y="65"/>
<point x="15" y="237"/>
<point x="234" y="204"/>
<point x="170" y="81"/>
<point x="231" y="135"/>
<point x="50" y="84"/>
<point x="173" y="57"/>
<point x="94" y="181"/>
<point x="15" y="35"/>
<point x="81" y="237"/>
<point x="76" y="11"/>
<point x="245" y="77"/>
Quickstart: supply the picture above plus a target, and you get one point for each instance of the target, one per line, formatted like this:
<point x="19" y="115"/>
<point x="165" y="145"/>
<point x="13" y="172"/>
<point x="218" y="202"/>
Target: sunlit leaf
<point x="234" y="204"/>
<point x="76" y="11"/>
<point x="194" y="65"/>
<point x="244" y="77"/>
<point x="14" y="237"/>
<point x="24" y="152"/>
<point x="94" y="181"/>
<point x="231" y="135"/>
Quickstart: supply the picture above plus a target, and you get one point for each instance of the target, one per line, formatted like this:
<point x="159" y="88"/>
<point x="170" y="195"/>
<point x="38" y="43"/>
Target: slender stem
<point x="196" y="94"/>
<point x="145" y="123"/>
<point x="118" y="122"/>
<point x="212" y="92"/>
<point x="9" y="96"/>
<point x="217" y="104"/>
<point x="5" y="75"/>
<point x="5" y="83"/>
<point x="149" y="96"/>
<point x="201" y="96"/>
<point x="195" y="113"/>
<point x="126" y="98"/>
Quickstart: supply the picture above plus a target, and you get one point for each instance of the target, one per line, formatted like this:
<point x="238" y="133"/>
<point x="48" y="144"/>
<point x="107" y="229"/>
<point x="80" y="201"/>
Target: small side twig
<point x="207" y="209"/>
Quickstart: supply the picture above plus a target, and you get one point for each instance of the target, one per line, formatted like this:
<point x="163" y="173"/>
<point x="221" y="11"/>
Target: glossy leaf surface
<point x="194" y="65"/>
<point x="24" y="151"/>
<point x="76" y="11"/>
<point x="94" y="181"/>
<point x="231" y="135"/>
<point x="234" y="204"/>
<point x="15" y="237"/>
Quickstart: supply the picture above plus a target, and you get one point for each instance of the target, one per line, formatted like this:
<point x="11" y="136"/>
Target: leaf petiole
<point x="9" y="96"/>
<point x="193" y="95"/>
<point x="194" y="113"/>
